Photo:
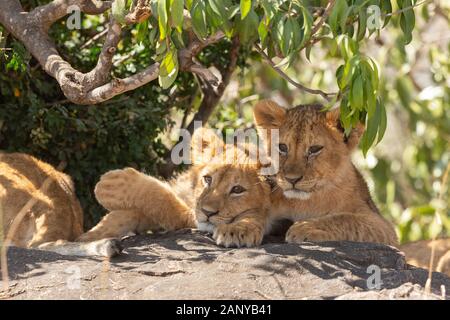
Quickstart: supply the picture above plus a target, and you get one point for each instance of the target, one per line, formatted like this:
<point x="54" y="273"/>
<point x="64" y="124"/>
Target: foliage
<point x="361" y="52"/>
<point x="93" y="139"/>
<point x="285" y="28"/>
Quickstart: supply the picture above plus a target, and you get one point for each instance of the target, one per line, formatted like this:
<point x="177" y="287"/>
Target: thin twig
<point x="95" y="38"/>
<point x="406" y="9"/>
<point x="300" y="86"/>
<point x="324" y="17"/>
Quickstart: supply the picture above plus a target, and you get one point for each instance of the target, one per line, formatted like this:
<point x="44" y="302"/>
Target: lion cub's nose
<point x="209" y="213"/>
<point x="293" y="181"/>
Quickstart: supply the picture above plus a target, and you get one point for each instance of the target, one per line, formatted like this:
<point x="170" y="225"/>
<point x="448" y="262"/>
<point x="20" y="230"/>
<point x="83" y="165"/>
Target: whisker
<point x="274" y="189"/>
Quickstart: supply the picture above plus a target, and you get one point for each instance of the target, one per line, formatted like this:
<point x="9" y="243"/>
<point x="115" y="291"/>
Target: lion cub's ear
<point x="352" y="140"/>
<point x="205" y="145"/>
<point x="268" y="114"/>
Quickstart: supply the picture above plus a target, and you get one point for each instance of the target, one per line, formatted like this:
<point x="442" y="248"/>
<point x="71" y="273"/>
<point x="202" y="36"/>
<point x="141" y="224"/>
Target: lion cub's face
<point x="226" y="191"/>
<point x="312" y="148"/>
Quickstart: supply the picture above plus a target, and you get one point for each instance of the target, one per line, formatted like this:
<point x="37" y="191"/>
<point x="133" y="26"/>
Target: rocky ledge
<point x="188" y="265"/>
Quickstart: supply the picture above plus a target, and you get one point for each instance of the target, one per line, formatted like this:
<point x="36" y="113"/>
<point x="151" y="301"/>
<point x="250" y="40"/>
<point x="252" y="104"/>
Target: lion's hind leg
<point x="115" y="224"/>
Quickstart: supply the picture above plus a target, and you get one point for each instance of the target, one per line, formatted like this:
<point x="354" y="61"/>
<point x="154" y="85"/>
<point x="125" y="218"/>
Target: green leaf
<point x="370" y="98"/>
<point x="248" y="28"/>
<point x="345" y="115"/>
<point x="356" y="96"/>
<point x="386" y="8"/>
<point x="263" y="32"/>
<point x="233" y="10"/>
<point x="383" y="121"/>
<point x="297" y="36"/>
<point x="176" y="14"/>
<point x="168" y="69"/>
<point x="142" y="31"/>
<point x="278" y="24"/>
<point x="307" y="25"/>
<point x="119" y="10"/>
<point x="349" y="70"/>
<point x="362" y="25"/>
<point x="245" y="6"/>
<point x="162" y="19"/>
<point x="344" y="15"/>
<point x="335" y="18"/>
<point x="199" y="19"/>
<point x="308" y="53"/>
<point x="161" y="47"/>
<point x="219" y="8"/>
<point x="407" y="20"/>
<point x="288" y="35"/>
<point x="371" y="130"/>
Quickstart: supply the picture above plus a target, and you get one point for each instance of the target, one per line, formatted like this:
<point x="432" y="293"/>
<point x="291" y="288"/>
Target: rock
<point x="188" y="265"/>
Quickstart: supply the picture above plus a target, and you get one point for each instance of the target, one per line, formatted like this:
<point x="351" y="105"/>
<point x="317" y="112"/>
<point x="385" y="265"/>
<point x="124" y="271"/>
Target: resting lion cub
<point x="56" y="216"/>
<point x="418" y="253"/>
<point x="229" y="199"/>
<point x="321" y="190"/>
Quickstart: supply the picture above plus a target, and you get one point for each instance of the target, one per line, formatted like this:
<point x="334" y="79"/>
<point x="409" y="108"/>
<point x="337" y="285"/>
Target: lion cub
<point x="418" y="253"/>
<point x="54" y="215"/>
<point x="320" y="189"/>
<point x="226" y="198"/>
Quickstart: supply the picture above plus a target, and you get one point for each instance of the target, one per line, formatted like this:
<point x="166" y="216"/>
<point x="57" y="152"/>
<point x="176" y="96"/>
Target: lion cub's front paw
<point x="306" y="231"/>
<point x="235" y="235"/>
<point x="114" y="190"/>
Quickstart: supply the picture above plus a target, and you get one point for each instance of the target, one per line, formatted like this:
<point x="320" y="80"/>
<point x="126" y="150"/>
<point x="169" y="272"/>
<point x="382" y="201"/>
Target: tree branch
<point x="211" y="97"/>
<point x="324" y="17"/>
<point x="140" y="11"/>
<point x="119" y="86"/>
<point x="323" y="94"/>
<point x="94" y="86"/>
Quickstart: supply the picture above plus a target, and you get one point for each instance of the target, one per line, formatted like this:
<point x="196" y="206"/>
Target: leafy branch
<point x="300" y="86"/>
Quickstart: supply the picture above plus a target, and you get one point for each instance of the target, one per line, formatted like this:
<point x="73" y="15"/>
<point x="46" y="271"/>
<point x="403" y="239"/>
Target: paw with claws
<point x="306" y="231"/>
<point x="238" y="235"/>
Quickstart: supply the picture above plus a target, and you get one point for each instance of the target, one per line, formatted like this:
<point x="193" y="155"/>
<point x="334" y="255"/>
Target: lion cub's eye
<point x="207" y="180"/>
<point x="313" y="150"/>
<point x="283" y="149"/>
<point x="237" y="189"/>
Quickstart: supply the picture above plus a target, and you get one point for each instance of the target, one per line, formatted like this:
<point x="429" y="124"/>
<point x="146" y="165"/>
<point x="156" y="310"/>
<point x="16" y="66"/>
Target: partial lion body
<point x="418" y="253"/>
<point x="57" y="213"/>
<point x="139" y="203"/>
<point x="55" y="219"/>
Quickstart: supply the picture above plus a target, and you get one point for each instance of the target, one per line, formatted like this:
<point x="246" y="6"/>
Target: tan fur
<point x="139" y="203"/>
<point x="55" y="219"/>
<point x="331" y="200"/>
<point x="57" y="213"/>
<point x="419" y="253"/>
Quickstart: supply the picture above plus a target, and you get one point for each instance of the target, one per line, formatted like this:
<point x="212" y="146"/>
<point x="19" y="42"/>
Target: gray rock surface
<point x="188" y="265"/>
